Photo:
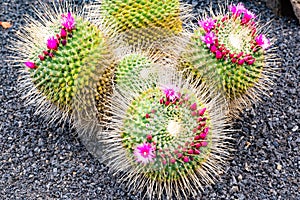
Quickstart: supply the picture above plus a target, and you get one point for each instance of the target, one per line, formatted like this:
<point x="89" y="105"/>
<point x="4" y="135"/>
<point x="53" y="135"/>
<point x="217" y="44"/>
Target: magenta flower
<point x="240" y="62"/>
<point x="144" y="153"/>
<point x="193" y="106"/>
<point x="171" y="94"/>
<point x="213" y="48"/>
<point x="237" y="10"/>
<point x="68" y="21"/>
<point x="247" y="16"/>
<point x="201" y="111"/>
<point x="30" y="65"/>
<point x="186" y="159"/>
<point x="207" y="24"/>
<point x="52" y="43"/>
<point x="219" y="54"/>
<point x="209" y="39"/>
<point x="63" y="33"/>
<point x="262" y="41"/>
<point x="41" y="57"/>
<point x="251" y="61"/>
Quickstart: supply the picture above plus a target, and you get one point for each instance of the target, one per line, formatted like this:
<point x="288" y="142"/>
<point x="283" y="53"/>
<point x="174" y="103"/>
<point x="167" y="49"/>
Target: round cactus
<point x="166" y="138"/>
<point x="63" y="53"/>
<point x="144" y="20"/>
<point x="124" y="72"/>
<point x="229" y="50"/>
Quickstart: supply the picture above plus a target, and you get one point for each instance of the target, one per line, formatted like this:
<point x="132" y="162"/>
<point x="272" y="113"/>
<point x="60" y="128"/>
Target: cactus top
<point x="166" y="132"/>
<point x="229" y="49"/>
<point x="233" y="37"/>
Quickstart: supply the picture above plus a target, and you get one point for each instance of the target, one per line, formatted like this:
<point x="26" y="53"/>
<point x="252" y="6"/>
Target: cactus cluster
<point x="167" y="132"/>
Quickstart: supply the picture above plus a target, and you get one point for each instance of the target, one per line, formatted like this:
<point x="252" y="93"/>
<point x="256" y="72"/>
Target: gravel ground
<point x="42" y="162"/>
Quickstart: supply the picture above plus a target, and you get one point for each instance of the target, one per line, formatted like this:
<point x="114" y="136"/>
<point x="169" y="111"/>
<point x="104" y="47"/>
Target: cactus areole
<point x="167" y="132"/>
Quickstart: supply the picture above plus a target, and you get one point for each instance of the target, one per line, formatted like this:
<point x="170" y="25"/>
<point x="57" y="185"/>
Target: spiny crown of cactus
<point x="166" y="134"/>
<point x="143" y="19"/>
<point x="175" y="124"/>
<point x="228" y="49"/>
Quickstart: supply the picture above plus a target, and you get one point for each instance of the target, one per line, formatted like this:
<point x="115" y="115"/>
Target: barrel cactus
<point x="167" y="138"/>
<point x="230" y="49"/>
<point x="130" y="63"/>
<point x="144" y="20"/>
<point x="63" y="53"/>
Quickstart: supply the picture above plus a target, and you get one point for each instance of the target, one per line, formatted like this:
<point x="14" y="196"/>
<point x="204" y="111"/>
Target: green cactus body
<point x="133" y="16"/>
<point x="60" y="77"/>
<point x="175" y="128"/>
<point x="124" y="75"/>
<point x="104" y="91"/>
<point x="131" y="67"/>
<point x="228" y="50"/>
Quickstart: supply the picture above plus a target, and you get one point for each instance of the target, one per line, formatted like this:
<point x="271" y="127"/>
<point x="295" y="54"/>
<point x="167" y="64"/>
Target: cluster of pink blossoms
<point x="68" y="25"/>
<point x="171" y="94"/>
<point x="220" y="50"/>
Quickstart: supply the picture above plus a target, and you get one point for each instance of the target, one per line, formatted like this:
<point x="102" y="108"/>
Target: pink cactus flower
<point x="209" y="39"/>
<point x="241" y="62"/>
<point x="171" y="94"/>
<point x="247" y="16"/>
<point x="262" y="41"/>
<point x="251" y="61"/>
<point x="201" y="111"/>
<point x="206" y="130"/>
<point x="207" y="24"/>
<point x="41" y="57"/>
<point x="237" y="10"/>
<point x="64" y="42"/>
<point x="219" y="54"/>
<point x="172" y="160"/>
<point x="68" y="21"/>
<point x="30" y="65"/>
<point x="186" y="159"/>
<point x="213" y="48"/>
<point x="63" y="33"/>
<point x="204" y="144"/>
<point x="52" y="43"/>
<point x="144" y="153"/>
<point x="193" y="106"/>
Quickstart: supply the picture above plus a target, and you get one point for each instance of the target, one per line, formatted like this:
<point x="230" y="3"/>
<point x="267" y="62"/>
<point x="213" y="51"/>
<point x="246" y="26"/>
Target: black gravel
<point x="42" y="162"/>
